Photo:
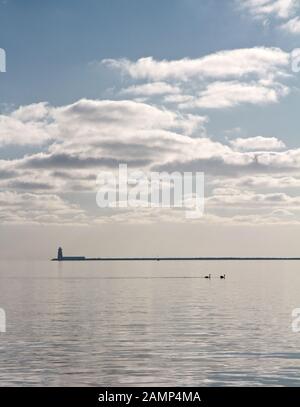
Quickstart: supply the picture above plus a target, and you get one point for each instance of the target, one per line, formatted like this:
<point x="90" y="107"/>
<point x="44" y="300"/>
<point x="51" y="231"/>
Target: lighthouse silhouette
<point x="60" y="254"/>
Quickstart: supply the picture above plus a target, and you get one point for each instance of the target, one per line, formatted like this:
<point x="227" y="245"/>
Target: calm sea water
<point x="135" y="324"/>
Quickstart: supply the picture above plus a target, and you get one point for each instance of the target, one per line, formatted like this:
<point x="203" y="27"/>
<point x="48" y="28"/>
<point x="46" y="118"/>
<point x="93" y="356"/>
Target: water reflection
<point x="88" y="324"/>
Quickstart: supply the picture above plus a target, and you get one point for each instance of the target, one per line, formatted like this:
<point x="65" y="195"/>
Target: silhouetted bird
<point x="209" y="276"/>
<point x="223" y="277"/>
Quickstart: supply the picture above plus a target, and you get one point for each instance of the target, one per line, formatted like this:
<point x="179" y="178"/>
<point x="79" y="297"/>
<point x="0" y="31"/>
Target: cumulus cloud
<point x="225" y="64"/>
<point x="292" y="26"/>
<point x="257" y="144"/>
<point x="279" y="10"/>
<point x="258" y="182"/>
<point x="232" y="93"/>
<point x="92" y="121"/>
<point x="251" y="199"/>
<point x="151" y="89"/>
<point x="26" y="126"/>
<point x="92" y="135"/>
<point x="250" y="206"/>
<point x="221" y="80"/>
<point x="16" y="207"/>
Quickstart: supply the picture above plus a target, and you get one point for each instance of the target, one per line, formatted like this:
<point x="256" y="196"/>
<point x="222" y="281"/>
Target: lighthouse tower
<point x="60" y="254"/>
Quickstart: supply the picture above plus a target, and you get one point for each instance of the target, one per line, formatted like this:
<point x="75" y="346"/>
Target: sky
<point x="178" y="85"/>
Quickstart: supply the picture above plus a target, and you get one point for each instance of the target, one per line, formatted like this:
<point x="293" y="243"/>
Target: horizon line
<point x="170" y="258"/>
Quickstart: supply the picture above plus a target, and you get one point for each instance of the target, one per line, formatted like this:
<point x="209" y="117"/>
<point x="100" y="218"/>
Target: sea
<point x="149" y="323"/>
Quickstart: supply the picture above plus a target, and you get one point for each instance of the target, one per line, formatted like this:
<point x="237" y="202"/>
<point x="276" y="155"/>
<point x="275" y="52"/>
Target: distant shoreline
<point x="112" y="259"/>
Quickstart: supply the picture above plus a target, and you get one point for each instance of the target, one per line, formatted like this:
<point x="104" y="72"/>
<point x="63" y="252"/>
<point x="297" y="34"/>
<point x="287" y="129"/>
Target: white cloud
<point x="151" y="89"/>
<point x="178" y="99"/>
<point x="239" y="63"/>
<point x="292" y="26"/>
<point x="221" y="80"/>
<point x="282" y="212"/>
<point x="27" y="125"/>
<point x="257" y="182"/>
<point x="257" y="144"/>
<point x="279" y="10"/>
<point x="232" y="93"/>
<point x="92" y="121"/>
<point x="38" y="208"/>
<point x="250" y="198"/>
<point x="90" y="135"/>
<point x="35" y="112"/>
<point x="106" y="118"/>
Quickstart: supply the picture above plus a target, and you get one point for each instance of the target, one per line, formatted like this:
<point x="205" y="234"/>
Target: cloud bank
<point x="157" y="122"/>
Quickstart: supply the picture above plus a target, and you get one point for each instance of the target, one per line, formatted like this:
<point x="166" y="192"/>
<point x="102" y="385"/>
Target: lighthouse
<point x="61" y="257"/>
<point x="60" y="254"/>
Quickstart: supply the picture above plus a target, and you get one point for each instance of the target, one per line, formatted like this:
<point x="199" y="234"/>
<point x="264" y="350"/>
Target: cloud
<point x="151" y="89"/>
<point x="38" y="124"/>
<point x="279" y="10"/>
<point x="116" y="131"/>
<point x="292" y="26"/>
<point x="165" y="130"/>
<point x="4" y="174"/>
<point x="242" y="206"/>
<point x="26" y="126"/>
<point x="229" y="94"/>
<point x="282" y="212"/>
<point x="38" y="208"/>
<point x="178" y="99"/>
<point x="249" y="199"/>
<point x="116" y="114"/>
<point x="64" y="160"/>
<point x="216" y="81"/>
<point x="257" y="144"/>
<point x="29" y="185"/>
<point x="239" y="63"/>
<point x="258" y="182"/>
<point x="92" y="135"/>
<point x="35" y="113"/>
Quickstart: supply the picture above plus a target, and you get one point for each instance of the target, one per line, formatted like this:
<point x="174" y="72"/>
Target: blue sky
<point x="173" y="84"/>
<point x="50" y="47"/>
<point x="50" y="44"/>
